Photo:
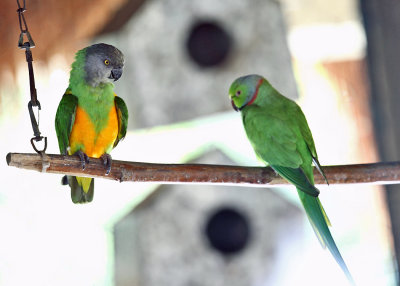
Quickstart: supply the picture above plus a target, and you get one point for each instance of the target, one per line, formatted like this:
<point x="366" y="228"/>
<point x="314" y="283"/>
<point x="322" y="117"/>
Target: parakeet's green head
<point x="100" y="63"/>
<point x="244" y="90"/>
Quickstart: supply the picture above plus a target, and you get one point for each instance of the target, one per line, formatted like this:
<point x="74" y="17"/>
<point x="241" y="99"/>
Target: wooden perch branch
<point x="377" y="173"/>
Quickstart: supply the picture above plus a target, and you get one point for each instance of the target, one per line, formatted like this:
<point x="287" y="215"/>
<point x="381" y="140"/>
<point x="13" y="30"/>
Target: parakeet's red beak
<point x="234" y="106"/>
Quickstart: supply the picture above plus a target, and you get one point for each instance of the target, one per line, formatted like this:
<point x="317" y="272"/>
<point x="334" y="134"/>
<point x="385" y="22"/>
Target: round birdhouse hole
<point x="227" y="230"/>
<point x="208" y="43"/>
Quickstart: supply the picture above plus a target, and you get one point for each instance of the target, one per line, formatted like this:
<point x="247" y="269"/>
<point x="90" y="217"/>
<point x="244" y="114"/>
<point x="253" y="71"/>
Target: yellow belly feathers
<point x="84" y="137"/>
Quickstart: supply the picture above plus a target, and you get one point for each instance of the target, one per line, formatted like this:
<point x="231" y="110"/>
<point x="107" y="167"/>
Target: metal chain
<point x="34" y="102"/>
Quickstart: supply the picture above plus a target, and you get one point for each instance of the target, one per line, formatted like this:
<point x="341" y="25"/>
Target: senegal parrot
<point x="280" y="136"/>
<point x="91" y="119"/>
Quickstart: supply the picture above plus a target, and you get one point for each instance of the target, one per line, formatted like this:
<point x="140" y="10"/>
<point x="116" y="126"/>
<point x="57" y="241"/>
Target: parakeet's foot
<point x="84" y="158"/>
<point x="107" y="160"/>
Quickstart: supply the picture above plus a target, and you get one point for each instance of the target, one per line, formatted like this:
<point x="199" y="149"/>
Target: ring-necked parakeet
<point x="91" y="119"/>
<point x="280" y="136"/>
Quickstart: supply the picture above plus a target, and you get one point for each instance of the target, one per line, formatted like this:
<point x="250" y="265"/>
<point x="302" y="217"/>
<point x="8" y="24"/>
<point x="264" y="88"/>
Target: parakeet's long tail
<point x="82" y="189"/>
<point x="320" y="222"/>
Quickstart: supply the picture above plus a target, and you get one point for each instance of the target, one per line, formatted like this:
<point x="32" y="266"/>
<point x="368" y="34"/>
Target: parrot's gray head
<point x="244" y="90"/>
<point x="103" y="64"/>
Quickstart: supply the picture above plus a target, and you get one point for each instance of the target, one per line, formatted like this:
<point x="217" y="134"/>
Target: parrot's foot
<point x="107" y="160"/>
<point x="84" y="158"/>
<point x="64" y="180"/>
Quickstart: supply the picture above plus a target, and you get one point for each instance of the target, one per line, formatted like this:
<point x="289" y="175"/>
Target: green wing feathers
<point x="278" y="146"/>
<point x="319" y="168"/>
<point x="122" y="113"/>
<point x="65" y="118"/>
<point x="297" y="177"/>
<point x="82" y="189"/>
<point x="307" y="136"/>
<point x="305" y="131"/>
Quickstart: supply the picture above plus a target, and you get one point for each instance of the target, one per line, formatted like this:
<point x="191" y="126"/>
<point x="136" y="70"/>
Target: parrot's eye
<point x="238" y="93"/>
<point x="106" y="62"/>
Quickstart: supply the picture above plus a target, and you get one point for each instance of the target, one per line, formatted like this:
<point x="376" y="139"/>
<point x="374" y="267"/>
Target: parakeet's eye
<point x="238" y="93"/>
<point x="106" y="62"/>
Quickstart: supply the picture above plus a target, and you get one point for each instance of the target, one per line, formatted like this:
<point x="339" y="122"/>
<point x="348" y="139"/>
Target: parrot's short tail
<point x="82" y="189"/>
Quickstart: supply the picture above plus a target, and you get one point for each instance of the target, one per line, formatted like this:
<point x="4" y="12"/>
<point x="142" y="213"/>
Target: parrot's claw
<point x="84" y="158"/>
<point x="64" y="180"/>
<point x="107" y="160"/>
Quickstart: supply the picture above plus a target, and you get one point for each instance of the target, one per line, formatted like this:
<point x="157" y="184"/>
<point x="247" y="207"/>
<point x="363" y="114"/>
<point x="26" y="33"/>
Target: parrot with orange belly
<point x="91" y="119"/>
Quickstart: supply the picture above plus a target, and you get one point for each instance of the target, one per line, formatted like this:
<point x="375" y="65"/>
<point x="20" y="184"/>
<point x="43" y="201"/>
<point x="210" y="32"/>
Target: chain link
<point x="23" y="28"/>
<point x="34" y="102"/>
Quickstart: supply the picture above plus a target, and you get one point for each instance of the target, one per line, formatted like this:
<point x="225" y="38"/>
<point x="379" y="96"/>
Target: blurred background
<point x="339" y="60"/>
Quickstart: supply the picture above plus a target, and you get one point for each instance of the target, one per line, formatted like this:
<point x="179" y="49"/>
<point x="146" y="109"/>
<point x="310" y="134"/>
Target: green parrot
<point x="91" y="119"/>
<point x="280" y="136"/>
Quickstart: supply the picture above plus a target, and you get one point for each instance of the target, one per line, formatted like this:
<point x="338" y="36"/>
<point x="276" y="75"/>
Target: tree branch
<point x="376" y="173"/>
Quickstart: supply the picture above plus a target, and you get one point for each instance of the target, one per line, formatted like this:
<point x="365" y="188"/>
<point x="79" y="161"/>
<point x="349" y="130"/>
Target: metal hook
<point x="39" y="139"/>
<point x="33" y="102"/>
<point x="34" y="123"/>
<point x="25" y="45"/>
<point x="24" y="29"/>
<point x="42" y="153"/>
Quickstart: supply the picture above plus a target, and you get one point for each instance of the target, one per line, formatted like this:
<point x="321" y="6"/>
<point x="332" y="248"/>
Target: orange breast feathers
<point x="85" y="138"/>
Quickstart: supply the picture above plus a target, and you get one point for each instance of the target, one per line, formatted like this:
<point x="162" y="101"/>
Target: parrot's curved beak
<point x="116" y="73"/>
<point x="234" y="106"/>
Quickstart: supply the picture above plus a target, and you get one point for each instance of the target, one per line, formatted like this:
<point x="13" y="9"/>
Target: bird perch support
<point x="375" y="173"/>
